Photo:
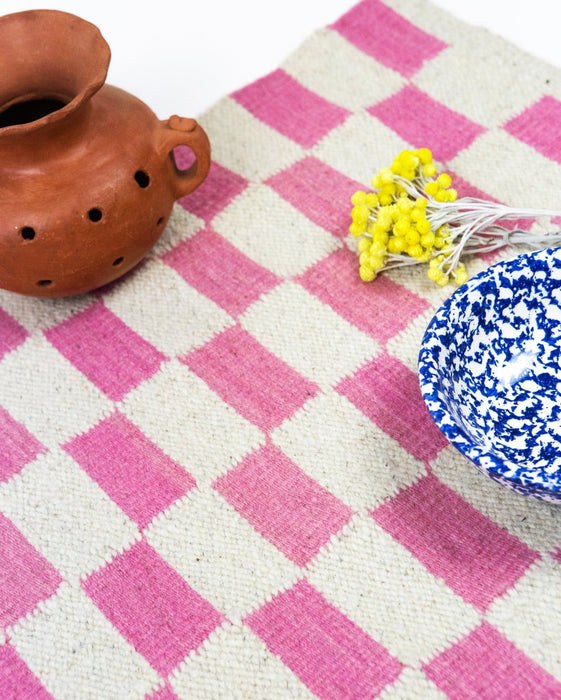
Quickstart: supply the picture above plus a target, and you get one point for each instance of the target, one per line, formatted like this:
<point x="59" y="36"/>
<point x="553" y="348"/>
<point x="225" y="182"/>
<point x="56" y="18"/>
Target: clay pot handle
<point x="178" y="131"/>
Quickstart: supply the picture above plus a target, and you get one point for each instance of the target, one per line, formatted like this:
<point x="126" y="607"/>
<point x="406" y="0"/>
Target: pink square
<point x="282" y="503"/>
<point x="11" y="333"/>
<point x="370" y="307"/>
<point x="472" y="554"/>
<point x="326" y="650"/>
<point x="388" y="393"/>
<point x="19" y="446"/>
<point x="16" y="680"/>
<point x="106" y="350"/>
<point x="216" y="192"/>
<point x="132" y="470"/>
<point x="388" y="37"/>
<point x="220" y="271"/>
<point x="424" y="122"/>
<point x="152" y="606"/>
<point x="290" y="108"/>
<point x="486" y="666"/>
<point x="26" y="577"/>
<point x="319" y="192"/>
<point x="538" y="127"/>
<point x="259" y="385"/>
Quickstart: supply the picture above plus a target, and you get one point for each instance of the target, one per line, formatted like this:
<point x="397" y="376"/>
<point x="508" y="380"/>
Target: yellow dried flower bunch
<point x="414" y="216"/>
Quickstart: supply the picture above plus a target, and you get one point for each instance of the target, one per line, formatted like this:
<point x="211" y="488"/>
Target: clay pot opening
<point x="30" y="110"/>
<point x="42" y="86"/>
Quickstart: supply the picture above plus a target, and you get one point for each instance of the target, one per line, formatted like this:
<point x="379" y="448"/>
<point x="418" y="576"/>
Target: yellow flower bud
<point x="415" y="251"/>
<point x="376" y="262"/>
<point x="431" y="188"/>
<point x="402" y="226"/>
<point x="427" y="239"/>
<point x="444" y="180"/>
<point x="357" y="229"/>
<point x="386" y="176"/>
<point x="366" y="273"/>
<point x="384" y="219"/>
<point x="396" y="245"/>
<point x="424" y="155"/>
<point x="460" y="274"/>
<point x="364" y="258"/>
<point x="405" y="205"/>
<point x="360" y="213"/>
<point x="359" y="198"/>
<point x="412" y="237"/>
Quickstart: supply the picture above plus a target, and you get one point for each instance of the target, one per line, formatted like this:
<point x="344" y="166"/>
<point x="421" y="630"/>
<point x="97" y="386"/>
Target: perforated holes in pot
<point x="118" y="261"/>
<point x="27" y="233"/>
<point x="44" y="283"/>
<point x="142" y="178"/>
<point x="95" y="215"/>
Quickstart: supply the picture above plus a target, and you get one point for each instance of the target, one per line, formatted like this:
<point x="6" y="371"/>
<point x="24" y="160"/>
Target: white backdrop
<point x="182" y="56"/>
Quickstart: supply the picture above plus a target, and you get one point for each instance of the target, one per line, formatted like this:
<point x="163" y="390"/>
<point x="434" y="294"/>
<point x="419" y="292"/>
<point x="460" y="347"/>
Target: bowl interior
<point x="490" y="369"/>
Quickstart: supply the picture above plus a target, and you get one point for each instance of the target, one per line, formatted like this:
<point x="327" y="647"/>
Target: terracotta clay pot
<point x="87" y="172"/>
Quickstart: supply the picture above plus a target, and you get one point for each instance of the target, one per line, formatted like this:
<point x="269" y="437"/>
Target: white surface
<point x="181" y="56"/>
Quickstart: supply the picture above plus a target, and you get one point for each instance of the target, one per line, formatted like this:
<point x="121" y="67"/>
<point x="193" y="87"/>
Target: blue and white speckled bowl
<point x="490" y="372"/>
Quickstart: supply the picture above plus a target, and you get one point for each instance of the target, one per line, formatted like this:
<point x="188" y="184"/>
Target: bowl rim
<point x="428" y="371"/>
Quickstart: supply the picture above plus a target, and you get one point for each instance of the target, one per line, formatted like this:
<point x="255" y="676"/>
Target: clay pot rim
<point x="102" y="59"/>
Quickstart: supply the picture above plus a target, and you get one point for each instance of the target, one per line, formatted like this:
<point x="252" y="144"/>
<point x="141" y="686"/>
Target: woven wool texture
<point x="217" y="476"/>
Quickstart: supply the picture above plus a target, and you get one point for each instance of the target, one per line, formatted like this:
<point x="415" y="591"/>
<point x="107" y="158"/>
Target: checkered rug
<point x="217" y="476"/>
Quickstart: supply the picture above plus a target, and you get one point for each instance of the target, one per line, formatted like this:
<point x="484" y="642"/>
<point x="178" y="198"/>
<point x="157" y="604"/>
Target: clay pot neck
<point x="51" y="63"/>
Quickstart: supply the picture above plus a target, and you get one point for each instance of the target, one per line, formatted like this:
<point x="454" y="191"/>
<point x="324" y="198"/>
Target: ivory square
<point x="338" y="446"/>
<point x="332" y="67"/>
<point x="197" y="429"/>
<point x="71" y="646"/>
<point x="218" y="552"/>
<point x="288" y="244"/>
<point x="386" y="591"/>
<point x="244" y="144"/>
<point x="307" y="334"/>
<point x="216" y="670"/>
<point x="168" y="313"/>
<point x="43" y="390"/>
<point x="66" y="515"/>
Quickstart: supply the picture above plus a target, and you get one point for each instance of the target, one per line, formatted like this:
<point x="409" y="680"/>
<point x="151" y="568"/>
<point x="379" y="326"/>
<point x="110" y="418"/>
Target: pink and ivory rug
<point x="217" y="477"/>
